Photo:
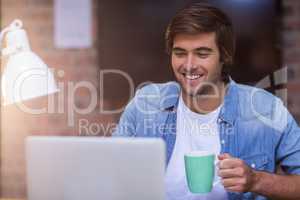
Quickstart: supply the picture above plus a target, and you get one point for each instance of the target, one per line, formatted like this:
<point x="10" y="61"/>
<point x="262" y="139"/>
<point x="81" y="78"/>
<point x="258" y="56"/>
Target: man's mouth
<point x="192" y="76"/>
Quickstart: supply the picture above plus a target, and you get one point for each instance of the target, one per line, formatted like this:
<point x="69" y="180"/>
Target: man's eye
<point x="179" y="54"/>
<point x="202" y="55"/>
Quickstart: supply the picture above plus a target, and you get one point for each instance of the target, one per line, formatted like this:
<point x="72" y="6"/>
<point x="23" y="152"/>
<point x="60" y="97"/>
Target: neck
<point x="208" y="102"/>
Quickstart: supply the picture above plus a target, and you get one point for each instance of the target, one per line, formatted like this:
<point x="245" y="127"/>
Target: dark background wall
<point x="132" y="40"/>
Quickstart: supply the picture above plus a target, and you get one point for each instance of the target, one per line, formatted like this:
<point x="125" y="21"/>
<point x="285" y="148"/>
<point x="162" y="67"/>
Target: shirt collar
<point x="228" y="111"/>
<point x="171" y="97"/>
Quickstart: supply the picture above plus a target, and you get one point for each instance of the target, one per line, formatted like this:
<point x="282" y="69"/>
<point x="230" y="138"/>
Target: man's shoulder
<point x="253" y="101"/>
<point x="157" y="95"/>
<point x="253" y="93"/>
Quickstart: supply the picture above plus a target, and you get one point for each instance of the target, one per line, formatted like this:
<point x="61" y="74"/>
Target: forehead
<point x="190" y="42"/>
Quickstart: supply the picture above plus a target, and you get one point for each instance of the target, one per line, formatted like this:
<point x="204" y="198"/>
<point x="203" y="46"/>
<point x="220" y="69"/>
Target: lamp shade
<point x="26" y="76"/>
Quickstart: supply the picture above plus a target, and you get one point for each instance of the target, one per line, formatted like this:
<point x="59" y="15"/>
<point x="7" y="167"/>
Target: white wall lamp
<point x="25" y="75"/>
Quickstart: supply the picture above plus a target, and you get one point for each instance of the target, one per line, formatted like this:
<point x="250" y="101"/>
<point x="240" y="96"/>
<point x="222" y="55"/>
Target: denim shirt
<point x="254" y="126"/>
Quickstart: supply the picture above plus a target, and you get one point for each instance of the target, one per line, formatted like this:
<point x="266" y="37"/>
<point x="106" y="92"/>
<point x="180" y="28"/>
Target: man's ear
<point x="222" y="60"/>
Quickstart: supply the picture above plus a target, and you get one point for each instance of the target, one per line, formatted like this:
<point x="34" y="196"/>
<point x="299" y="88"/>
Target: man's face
<point x="196" y="63"/>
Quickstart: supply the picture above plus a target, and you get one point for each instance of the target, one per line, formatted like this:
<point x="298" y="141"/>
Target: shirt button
<point x="253" y="165"/>
<point x="223" y="142"/>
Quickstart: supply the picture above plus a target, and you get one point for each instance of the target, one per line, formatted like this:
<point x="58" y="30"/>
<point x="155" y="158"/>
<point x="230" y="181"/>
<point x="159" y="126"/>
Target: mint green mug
<point x="200" y="171"/>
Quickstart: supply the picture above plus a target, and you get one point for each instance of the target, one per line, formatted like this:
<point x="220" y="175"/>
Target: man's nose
<point x="190" y="62"/>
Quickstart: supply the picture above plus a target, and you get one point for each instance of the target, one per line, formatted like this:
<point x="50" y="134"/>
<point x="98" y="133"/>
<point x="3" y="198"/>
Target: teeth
<point x="192" y="77"/>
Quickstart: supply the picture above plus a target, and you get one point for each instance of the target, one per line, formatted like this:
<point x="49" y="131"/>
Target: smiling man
<point x="248" y="128"/>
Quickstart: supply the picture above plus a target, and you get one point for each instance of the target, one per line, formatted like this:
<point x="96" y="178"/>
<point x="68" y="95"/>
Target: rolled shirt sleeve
<point x="288" y="149"/>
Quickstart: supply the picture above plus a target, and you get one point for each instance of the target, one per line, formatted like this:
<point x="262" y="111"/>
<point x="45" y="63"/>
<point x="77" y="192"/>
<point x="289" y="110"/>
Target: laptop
<point x="95" y="168"/>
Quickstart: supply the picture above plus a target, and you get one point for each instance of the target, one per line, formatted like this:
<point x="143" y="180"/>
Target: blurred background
<point x="127" y="44"/>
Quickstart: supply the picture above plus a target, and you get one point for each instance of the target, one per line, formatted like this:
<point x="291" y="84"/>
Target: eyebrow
<point x="197" y="49"/>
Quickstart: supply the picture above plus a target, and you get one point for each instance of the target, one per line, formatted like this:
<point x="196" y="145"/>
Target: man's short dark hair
<point x="203" y="18"/>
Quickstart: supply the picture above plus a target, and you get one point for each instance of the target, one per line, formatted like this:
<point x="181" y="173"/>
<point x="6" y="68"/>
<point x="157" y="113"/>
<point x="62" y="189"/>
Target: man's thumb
<point x="224" y="156"/>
